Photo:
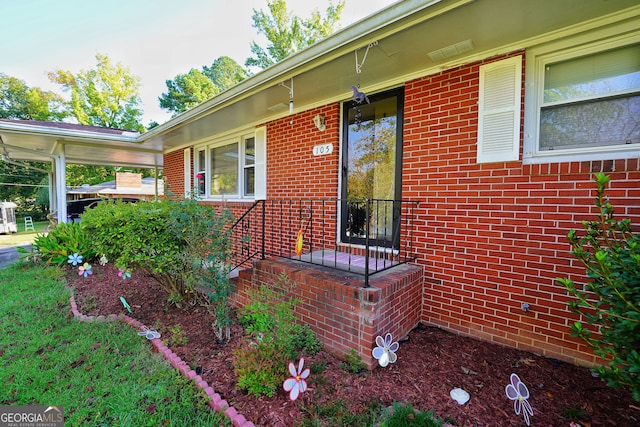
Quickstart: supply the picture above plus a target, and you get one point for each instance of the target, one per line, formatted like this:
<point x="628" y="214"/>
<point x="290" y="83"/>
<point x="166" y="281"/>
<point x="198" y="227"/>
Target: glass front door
<point x="371" y="169"/>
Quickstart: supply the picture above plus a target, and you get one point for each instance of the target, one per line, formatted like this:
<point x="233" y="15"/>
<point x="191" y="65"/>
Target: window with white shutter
<point x="499" y="111"/>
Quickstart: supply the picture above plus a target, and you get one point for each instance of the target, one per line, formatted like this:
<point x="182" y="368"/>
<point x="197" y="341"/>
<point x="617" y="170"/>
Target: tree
<point x="106" y="96"/>
<point x="20" y="184"/>
<point x="287" y="34"/>
<point x="610" y="301"/>
<point x="186" y="91"/>
<point x="18" y="101"/>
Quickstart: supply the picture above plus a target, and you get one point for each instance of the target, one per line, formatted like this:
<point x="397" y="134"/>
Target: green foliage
<point x="186" y="91"/>
<point x="404" y="415"/>
<point x="181" y="244"/>
<point x="260" y="367"/>
<point x="20" y="184"/>
<point x="574" y="413"/>
<point x="288" y="34"/>
<point x="353" y="363"/>
<point x="339" y="413"/>
<point x="64" y="240"/>
<point x="610" y="302"/>
<point x="276" y="338"/>
<point x="178" y="337"/>
<point x="106" y="96"/>
<point x="18" y="101"/>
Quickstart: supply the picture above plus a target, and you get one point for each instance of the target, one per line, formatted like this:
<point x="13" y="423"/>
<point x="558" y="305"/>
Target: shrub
<point x="183" y="245"/>
<point x="353" y="363"/>
<point x="610" y="302"/>
<point x="275" y="338"/>
<point x="64" y="240"/>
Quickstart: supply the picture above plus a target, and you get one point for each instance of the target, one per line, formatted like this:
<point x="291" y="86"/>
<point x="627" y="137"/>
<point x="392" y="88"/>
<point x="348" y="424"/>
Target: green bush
<point x="183" y="245"/>
<point x="610" y="302"/>
<point x="353" y="363"/>
<point x="275" y="339"/>
<point x="64" y="240"/>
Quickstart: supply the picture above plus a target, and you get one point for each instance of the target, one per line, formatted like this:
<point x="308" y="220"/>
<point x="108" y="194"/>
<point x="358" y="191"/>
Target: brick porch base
<point x="343" y="314"/>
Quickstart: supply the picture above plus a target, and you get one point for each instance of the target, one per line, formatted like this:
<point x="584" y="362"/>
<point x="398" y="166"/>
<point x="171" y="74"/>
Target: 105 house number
<point x="322" y="149"/>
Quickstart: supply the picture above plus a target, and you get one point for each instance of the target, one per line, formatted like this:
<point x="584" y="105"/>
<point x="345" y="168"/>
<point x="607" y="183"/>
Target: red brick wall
<point x="343" y="314"/>
<point x="174" y="172"/>
<point x="493" y="236"/>
<point x="293" y="172"/>
<point x="490" y="237"/>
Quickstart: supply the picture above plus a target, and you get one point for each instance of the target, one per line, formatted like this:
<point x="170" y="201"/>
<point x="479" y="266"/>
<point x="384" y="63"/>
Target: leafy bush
<point x="353" y="363"/>
<point x="62" y="241"/>
<point x="610" y="302"/>
<point x="181" y="244"/>
<point x="276" y="339"/>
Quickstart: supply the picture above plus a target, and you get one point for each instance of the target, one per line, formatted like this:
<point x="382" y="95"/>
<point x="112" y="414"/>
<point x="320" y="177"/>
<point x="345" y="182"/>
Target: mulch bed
<point x="431" y="362"/>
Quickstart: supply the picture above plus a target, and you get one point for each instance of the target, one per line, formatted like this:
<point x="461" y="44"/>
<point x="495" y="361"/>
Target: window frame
<point x="536" y="61"/>
<point x="240" y="139"/>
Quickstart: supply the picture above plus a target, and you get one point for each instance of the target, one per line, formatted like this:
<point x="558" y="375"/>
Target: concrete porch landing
<point x="343" y="314"/>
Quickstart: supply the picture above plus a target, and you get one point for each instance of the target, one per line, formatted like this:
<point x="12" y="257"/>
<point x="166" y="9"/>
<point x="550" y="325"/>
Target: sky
<point x="155" y="39"/>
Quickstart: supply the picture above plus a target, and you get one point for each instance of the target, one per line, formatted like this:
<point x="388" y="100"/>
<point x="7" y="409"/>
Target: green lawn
<point x="102" y="374"/>
<point x="23" y="237"/>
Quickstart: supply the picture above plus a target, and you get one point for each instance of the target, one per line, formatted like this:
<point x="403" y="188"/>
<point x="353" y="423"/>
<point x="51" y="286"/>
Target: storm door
<point x="372" y="170"/>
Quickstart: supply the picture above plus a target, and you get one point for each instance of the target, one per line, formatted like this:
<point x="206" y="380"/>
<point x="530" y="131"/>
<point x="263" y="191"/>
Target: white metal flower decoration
<point x="296" y="384"/>
<point x="385" y="352"/>
<point x="519" y="393"/>
<point x="149" y="333"/>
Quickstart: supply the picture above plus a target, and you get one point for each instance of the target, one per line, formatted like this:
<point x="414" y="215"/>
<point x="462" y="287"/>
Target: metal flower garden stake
<point x="385" y="352"/>
<point x="75" y="259"/>
<point x="296" y="384"/>
<point x="519" y="393"/>
<point x="85" y="270"/>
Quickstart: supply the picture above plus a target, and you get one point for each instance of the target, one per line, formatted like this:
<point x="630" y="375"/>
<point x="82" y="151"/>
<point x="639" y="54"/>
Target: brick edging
<point x="216" y="403"/>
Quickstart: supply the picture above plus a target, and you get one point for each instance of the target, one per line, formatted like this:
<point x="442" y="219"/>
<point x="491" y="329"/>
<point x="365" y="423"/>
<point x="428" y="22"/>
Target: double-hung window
<point x="585" y="103"/>
<point x="227" y="168"/>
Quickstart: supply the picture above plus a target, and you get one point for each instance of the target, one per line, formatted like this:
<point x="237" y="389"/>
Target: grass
<point x="101" y="373"/>
<point x="23" y="236"/>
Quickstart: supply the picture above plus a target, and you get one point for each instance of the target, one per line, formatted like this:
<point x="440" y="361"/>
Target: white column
<point x="61" y="183"/>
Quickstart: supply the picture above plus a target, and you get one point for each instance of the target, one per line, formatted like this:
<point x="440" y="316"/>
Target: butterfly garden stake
<point x="519" y="393"/>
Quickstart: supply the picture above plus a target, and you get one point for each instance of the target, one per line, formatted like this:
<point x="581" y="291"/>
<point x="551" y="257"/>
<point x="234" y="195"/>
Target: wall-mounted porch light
<point x="319" y="121"/>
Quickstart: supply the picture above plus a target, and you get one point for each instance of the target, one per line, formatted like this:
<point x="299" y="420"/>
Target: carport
<point x="24" y="141"/>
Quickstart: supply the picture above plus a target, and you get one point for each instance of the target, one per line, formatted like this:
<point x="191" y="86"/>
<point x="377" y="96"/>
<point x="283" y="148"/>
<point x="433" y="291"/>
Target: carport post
<point x="61" y="183"/>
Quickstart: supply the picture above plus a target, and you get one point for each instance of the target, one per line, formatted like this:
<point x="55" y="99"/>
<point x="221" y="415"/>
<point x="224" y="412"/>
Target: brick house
<point x="421" y="165"/>
<point x="463" y="170"/>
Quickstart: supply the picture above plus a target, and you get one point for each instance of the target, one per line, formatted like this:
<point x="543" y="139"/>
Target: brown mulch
<point x="431" y="362"/>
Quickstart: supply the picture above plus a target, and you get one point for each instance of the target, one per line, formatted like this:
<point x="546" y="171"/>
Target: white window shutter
<point x="261" y="163"/>
<point x="499" y="111"/>
<point x="187" y="172"/>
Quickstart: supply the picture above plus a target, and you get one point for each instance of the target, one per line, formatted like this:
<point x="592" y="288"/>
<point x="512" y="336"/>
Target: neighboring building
<point x="457" y="138"/>
<point x="126" y="185"/>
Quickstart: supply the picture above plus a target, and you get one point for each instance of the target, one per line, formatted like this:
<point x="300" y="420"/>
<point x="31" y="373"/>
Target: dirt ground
<point x="431" y="363"/>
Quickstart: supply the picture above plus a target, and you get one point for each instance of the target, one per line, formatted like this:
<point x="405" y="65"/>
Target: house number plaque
<point x="322" y="149"/>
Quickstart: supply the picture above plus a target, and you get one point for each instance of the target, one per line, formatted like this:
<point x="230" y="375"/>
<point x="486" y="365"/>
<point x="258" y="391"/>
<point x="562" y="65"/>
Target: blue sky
<point x="155" y="39"/>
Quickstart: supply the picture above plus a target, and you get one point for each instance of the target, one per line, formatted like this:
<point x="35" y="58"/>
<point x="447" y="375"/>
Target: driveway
<point x="9" y="255"/>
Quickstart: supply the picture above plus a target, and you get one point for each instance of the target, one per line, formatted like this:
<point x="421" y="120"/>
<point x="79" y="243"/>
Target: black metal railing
<point x="363" y="237"/>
